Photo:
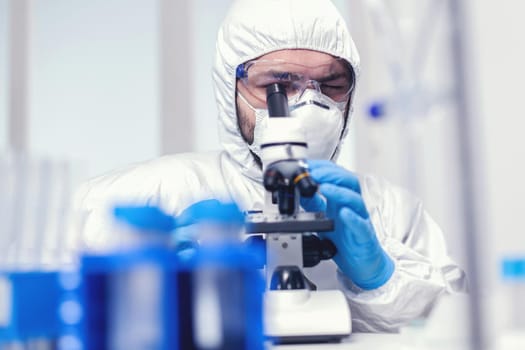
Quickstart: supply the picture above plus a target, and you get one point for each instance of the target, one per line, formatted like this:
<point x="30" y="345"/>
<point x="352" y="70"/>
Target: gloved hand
<point x="359" y="255"/>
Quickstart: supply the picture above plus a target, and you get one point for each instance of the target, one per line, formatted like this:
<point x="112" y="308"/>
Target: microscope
<point x="295" y="311"/>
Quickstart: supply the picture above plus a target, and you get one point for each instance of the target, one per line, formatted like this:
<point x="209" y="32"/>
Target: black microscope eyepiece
<point x="277" y="100"/>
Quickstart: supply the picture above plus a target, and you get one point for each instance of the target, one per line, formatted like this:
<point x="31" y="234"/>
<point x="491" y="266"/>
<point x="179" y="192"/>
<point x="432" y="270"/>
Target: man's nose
<point x="312" y="84"/>
<point x="309" y="84"/>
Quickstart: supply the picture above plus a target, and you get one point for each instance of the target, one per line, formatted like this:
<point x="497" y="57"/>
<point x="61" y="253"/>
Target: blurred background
<point x="107" y="83"/>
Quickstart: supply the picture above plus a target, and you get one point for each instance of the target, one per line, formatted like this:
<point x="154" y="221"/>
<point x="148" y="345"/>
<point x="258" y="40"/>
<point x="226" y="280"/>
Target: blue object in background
<point x="154" y="298"/>
<point x="124" y="292"/>
<point x="513" y="278"/>
<point x="377" y="110"/>
<point x="175" y="288"/>
<point x="148" y="297"/>
<point x="228" y="276"/>
<point x="34" y="304"/>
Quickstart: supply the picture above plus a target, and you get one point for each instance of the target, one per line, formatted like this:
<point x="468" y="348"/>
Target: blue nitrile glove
<point x="359" y="255"/>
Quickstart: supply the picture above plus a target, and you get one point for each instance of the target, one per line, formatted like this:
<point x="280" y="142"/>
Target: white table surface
<point x="446" y="328"/>
<point x="368" y="341"/>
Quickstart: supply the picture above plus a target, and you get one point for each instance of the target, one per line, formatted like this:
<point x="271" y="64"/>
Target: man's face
<point x="321" y="67"/>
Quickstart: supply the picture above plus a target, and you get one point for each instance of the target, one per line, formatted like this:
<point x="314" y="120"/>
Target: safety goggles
<point x="335" y="80"/>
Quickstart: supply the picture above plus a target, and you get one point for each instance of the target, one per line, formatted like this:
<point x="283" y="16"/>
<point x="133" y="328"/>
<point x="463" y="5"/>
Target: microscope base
<point x="303" y="316"/>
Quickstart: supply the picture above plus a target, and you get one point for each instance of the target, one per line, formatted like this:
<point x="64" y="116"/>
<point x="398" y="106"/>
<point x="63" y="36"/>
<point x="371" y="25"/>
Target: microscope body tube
<point x="277" y="101"/>
<point x="284" y="139"/>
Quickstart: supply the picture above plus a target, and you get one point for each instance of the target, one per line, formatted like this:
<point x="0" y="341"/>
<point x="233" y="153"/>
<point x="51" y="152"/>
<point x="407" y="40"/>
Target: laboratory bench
<point x="381" y="341"/>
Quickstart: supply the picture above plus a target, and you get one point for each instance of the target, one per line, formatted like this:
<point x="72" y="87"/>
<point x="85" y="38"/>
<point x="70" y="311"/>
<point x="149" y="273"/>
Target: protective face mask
<point x="320" y="117"/>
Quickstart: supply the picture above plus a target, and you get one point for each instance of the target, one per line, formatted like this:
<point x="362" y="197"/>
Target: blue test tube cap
<point x="513" y="268"/>
<point x="211" y="210"/>
<point x="147" y="218"/>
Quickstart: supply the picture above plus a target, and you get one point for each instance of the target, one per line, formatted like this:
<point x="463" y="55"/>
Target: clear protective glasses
<point x="335" y="79"/>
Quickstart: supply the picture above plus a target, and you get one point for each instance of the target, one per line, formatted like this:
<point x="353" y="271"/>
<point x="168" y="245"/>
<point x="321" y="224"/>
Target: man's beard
<point x="247" y="128"/>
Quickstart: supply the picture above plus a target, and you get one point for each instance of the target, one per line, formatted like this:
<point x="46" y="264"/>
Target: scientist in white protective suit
<point x="392" y="261"/>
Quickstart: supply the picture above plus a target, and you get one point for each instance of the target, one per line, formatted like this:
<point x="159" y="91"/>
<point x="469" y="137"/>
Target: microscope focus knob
<point x="305" y="183"/>
<point x="287" y="278"/>
<point x="315" y="250"/>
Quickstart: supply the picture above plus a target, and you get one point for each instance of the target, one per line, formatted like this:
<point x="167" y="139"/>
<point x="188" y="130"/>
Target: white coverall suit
<point x="423" y="270"/>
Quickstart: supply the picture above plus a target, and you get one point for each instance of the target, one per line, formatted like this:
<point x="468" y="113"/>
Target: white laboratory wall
<point x="501" y="73"/>
<point x="207" y="17"/>
<point x="3" y="74"/>
<point x="499" y="50"/>
<point x="94" y="81"/>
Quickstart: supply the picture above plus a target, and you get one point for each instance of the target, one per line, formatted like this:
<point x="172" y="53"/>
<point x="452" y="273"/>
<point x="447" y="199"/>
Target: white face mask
<point x="320" y="117"/>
